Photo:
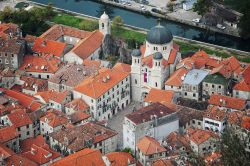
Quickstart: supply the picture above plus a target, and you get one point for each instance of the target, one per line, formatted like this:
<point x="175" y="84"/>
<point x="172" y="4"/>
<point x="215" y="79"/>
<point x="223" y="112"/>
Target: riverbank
<point x="130" y="32"/>
<point x="170" y="16"/>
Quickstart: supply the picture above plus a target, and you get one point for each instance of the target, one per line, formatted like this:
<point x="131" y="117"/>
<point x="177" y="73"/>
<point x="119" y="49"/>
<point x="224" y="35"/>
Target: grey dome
<point x="157" y="56"/>
<point x="159" y="35"/>
<point x="136" y="53"/>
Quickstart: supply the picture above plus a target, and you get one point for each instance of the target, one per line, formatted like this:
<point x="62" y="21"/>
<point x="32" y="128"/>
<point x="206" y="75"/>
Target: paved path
<point x="117" y="121"/>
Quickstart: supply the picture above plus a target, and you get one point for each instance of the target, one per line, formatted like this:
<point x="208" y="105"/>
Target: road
<point x="117" y="121"/>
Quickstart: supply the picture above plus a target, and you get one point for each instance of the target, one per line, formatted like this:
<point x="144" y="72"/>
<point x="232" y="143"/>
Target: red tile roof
<point x="176" y="78"/>
<point x="230" y="66"/>
<point x="172" y="56"/>
<point x="92" y="63"/>
<point x="77" y="105"/>
<point x="145" y="114"/>
<point x="85" y="157"/>
<point x="246" y="122"/>
<point x="96" y="86"/>
<point x="16" y="159"/>
<point x="41" y="64"/>
<point x="58" y="97"/>
<point x="41" y="154"/>
<point x="242" y="86"/>
<point x="19" y="118"/>
<point x="5" y="152"/>
<point x="200" y="59"/>
<point x="228" y="102"/>
<point x="89" y="45"/>
<point x="215" y="114"/>
<point x="162" y="162"/>
<point x="161" y="96"/>
<point x="27" y="143"/>
<point x="54" y="118"/>
<point x="235" y="117"/>
<point x="7" y="133"/>
<point x="122" y="67"/>
<point x="199" y="136"/>
<point x="49" y="47"/>
<point x="148" y="146"/>
<point x="79" y="116"/>
<point x="23" y="99"/>
<point x="246" y="74"/>
<point x="120" y="158"/>
<point x="148" y="61"/>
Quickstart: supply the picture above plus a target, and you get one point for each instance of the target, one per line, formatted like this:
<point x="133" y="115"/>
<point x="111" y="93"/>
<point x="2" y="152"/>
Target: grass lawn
<point x="125" y="33"/>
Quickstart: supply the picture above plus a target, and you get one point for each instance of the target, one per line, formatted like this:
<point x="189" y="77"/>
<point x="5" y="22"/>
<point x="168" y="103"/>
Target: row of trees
<point x="31" y="22"/>
<point x="203" y="6"/>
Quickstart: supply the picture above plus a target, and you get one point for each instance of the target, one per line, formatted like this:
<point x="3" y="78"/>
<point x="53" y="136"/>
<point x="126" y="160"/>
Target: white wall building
<point x="156" y="121"/>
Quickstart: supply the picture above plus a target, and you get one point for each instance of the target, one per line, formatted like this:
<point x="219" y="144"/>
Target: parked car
<point x="145" y="2"/>
<point x="197" y="20"/>
<point x="219" y="26"/>
<point x="128" y="3"/>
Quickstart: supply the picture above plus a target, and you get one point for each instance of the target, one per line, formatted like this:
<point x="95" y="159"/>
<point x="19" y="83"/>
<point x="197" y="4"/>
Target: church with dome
<point x="154" y="62"/>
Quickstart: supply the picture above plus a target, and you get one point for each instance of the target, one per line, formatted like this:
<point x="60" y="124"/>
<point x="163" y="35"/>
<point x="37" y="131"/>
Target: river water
<point x="95" y="9"/>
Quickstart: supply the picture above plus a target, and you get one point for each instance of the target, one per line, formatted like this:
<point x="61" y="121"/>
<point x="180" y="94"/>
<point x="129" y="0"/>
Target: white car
<point x="129" y="4"/>
<point x="197" y="20"/>
<point x="220" y="26"/>
<point x="143" y="8"/>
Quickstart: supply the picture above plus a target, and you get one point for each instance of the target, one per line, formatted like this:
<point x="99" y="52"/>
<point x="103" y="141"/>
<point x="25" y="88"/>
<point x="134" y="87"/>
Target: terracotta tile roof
<point x="4" y="110"/>
<point x="246" y="122"/>
<point x="57" y="31"/>
<point x="175" y="141"/>
<point x="5" y="152"/>
<point x="12" y="46"/>
<point x="161" y="96"/>
<point x="122" y="67"/>
<point x="77" y="105"/>
<point x="214" y="156"/>
<point x="200" y="59"/>
<point x="23" y="99"/>
<point x="7" y="133"/>
<point x="230" y="66"/>
<point x="89" y="45"/>
<point x="176" y="46"/>
<point x="41" y="154"/>
<point x="26" y="144"/>
<point x="16" y="159"/>
<point x="33" y="84"/>
<point x="148" y="61"/>
<point x="58" y="97"/>
<point x="19" y="118"/>
<point x="187" y="63"/>
<point x="75" y="138"/>
<point x="78" y="117"/>
<point x="162" y="162"/>
<point x="246" y="74"/>
<point x="228" y="102"/>
<point x="42" y="64"/>
<point x="85" y="157"/>
<point x="54" y="118"/>
<point x="176" y="78"/>
<point x="148" y="146"/>
<point x="235" y="117"/>
<point x="144" y="114"/>
<point x="215" y="114"/>
<point x="92" y="63"/>
<point x="7" y="28"/>
<point x="30" y="38"/>
<point x="44" y="46"/>
<point x="242" y="86"/>
<point x="120" y="158"/>
<point x="72" y="74"/>
<point x="199" y="136"/>
<point x="172" y="56"/>
<point x="96" y="86"/>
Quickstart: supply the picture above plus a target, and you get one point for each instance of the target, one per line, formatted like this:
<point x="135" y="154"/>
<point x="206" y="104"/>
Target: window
<point x="193" y="121"/>
<point x="0" y="60"/>
<point x="6" y="61"/>
<point x="47" y="76"/>
<point x="12" y="55"/>
<point x="155" y="84"/>
<point x="27" y="126"/>
<point x="135" y="81"/>
<point x="194" y="95"/>
<point x="212" y="85"/>
<point x="18" y="129"/>
<point x="199" y="123"/>
<point x="219" y="87"/>
<point x="185" y="93"/>
<point x="28" y="133"/>
<point x="102" y="25"/>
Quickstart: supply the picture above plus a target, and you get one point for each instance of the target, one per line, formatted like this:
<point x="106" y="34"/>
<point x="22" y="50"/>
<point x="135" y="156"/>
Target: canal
<point x="95" y="9"/>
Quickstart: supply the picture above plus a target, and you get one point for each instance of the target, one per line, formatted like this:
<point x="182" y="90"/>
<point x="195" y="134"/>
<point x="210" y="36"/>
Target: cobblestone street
<point x="117" y="121"/>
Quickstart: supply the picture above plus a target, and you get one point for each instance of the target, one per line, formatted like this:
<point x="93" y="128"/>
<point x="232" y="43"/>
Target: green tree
<point x="127" y="150"/>
<point x="233" y="149"/>
<point x="117" y="23"/>
<point x="88" y="25"/>
<point x="202" y="6"/>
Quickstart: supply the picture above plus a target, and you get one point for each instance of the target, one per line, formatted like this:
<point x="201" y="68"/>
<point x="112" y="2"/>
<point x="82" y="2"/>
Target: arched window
<point x="102" y="25"/>
<point x="155" y="84"/>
